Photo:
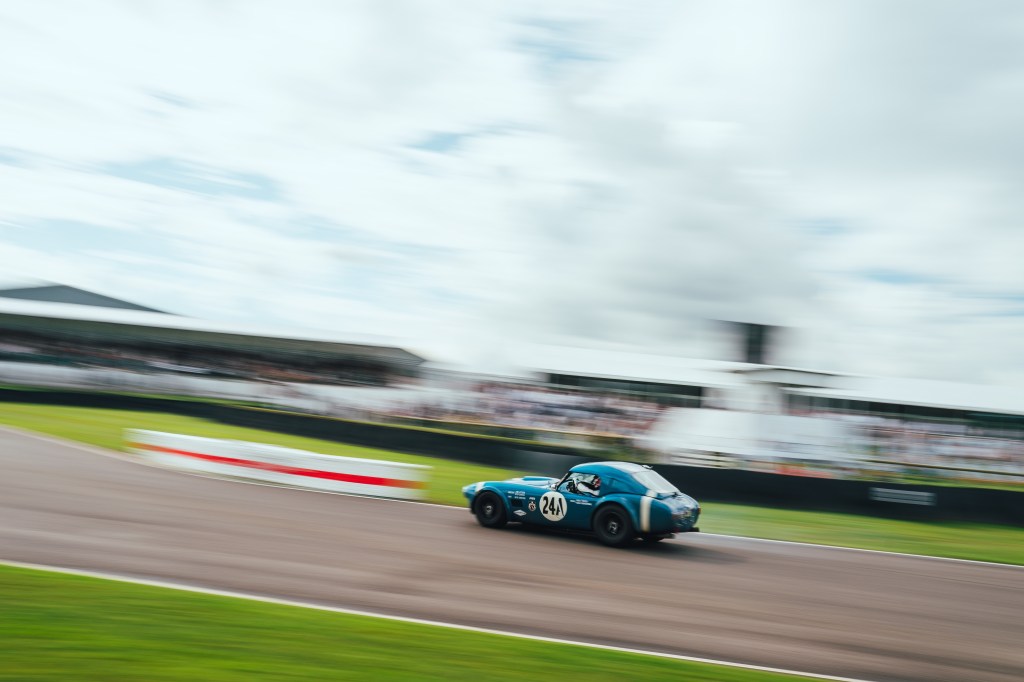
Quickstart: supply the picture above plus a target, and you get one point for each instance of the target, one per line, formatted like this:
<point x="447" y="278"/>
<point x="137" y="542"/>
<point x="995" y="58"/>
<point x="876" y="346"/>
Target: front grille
<point x="684" y="517"/>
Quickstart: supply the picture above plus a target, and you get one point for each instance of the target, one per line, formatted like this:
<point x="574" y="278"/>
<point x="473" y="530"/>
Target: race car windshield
<point x="652" y="480"/>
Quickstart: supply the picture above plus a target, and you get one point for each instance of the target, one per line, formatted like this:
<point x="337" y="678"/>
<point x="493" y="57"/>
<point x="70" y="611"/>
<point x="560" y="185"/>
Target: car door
<point x="562" y="507"/>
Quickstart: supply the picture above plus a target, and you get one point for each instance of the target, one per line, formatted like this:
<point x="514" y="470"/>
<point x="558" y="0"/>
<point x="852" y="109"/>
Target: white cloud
<point x="611" y="174"/>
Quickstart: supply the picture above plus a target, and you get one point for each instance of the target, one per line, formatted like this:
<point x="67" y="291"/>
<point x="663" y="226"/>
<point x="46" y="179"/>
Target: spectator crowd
<point x="230" y="364"/>
<point x="536" y="407"/>
<point x="934" y="444"/>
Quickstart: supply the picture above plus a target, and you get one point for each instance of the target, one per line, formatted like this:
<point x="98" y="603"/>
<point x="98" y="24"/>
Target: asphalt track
<point x="820" y="610"/>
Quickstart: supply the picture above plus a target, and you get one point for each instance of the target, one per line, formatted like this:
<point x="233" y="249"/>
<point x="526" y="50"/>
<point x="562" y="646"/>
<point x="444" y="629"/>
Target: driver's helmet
<point x="596" y="483"/>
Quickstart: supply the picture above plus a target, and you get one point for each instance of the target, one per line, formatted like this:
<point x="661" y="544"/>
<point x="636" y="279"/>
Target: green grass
<point x="56" y="627"/>
<point x="105" y="428"/>
<point x="982" y="542"/>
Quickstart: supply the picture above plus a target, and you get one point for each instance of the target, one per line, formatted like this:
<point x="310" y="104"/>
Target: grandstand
<point x="59" y="335"/>
<point x="798" y="420"/>
<point x="734" y="414"/>
<point x="669" y="381"/>
<point x="995" y="407"/>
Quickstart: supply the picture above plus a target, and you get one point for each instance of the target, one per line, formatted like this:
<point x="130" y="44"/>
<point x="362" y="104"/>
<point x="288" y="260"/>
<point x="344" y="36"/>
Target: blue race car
<point x="617" y="501"/>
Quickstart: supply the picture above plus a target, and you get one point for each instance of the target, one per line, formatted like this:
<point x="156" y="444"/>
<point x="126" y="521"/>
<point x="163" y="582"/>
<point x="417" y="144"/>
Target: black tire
<point x="490" y="510"/>
<point x="613" y="526"/>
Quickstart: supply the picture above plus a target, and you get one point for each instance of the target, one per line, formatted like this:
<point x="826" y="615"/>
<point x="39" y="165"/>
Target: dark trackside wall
<point x="897" y="500"/>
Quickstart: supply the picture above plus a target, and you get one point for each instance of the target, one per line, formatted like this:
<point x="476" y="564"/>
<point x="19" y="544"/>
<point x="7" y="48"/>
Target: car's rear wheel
<point x="613" y="526"/>
<point x="490" y="510"/>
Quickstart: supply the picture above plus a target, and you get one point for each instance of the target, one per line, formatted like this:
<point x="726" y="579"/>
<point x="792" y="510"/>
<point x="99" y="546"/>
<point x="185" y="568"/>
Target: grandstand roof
<point x="587" y="362"/>
<point x="714" y="373"/>
<point x="59" y="293"/>
<point x="922" y="393"/>
<point x="790" y="376"/>
<point x="141" y="325"/>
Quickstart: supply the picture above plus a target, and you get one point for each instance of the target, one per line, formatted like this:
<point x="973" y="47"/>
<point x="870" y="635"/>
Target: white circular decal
<point x="552" y="506"/>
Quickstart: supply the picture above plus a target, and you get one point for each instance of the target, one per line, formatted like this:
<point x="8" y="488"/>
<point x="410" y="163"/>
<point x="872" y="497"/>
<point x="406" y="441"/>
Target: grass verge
<point x="980" y="542"/>
<point x="59" y="627"/>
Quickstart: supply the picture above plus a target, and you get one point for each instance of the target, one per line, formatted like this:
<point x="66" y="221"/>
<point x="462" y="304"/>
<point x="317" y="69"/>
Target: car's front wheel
<point x="613" y="526"/>
<point x="489" y="510"/>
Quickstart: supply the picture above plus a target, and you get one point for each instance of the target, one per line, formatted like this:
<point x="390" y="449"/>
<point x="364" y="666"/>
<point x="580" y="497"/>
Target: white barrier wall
<point x="283" y="466"/>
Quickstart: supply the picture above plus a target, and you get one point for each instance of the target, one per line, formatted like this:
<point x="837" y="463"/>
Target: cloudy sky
<point x="468" y="177"/>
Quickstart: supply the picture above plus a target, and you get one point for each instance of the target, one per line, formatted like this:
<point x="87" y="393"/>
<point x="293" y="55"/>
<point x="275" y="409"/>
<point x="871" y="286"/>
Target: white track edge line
<point x="116" y="454"/>
<point x="417" y="621"/>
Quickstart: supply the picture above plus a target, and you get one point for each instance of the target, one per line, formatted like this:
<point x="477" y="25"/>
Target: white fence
<point x="279" y="465"/>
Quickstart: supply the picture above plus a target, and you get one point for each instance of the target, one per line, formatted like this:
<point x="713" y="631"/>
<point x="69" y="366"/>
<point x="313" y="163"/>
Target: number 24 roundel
<point x="552" y="506"/>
